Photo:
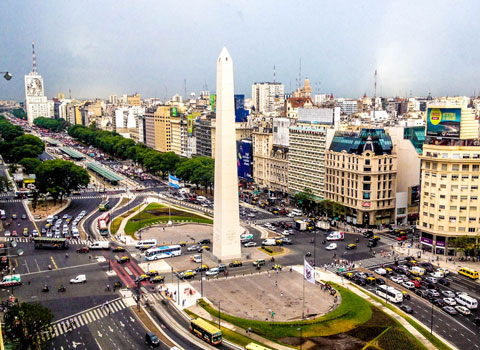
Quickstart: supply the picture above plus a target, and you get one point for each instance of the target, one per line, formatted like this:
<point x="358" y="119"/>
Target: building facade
<point x="361" y="171"/>
<point x="36" y="103"/>
<point x="158" y="128"/>
<point x="268" y="98"/>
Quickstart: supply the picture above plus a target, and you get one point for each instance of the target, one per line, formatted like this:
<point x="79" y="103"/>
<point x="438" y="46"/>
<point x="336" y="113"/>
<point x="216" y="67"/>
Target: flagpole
<point x="303" y="304"/>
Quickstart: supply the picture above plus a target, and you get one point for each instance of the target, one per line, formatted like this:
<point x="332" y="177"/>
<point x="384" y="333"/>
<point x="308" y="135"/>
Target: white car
<point x="437" y="274"/>
<point x="444" y="270"/>
<point x="212" y="272"/>
<point x="8" y="233"/>
<point x="331" y="246"/>
<point x="250" y="244"/>
<point x="408" y="285"/>
<point x="448" y="294"/>
<point x="450" y="301"/>
<point x="197" y="258"/>
<point x="465" y="311"/>
<point x="286" y="233"/>
<point x="381" y="271"/>
<point x="291" y="215"/>
<point x="397" y="279"/>
<point x="79" y="279"/>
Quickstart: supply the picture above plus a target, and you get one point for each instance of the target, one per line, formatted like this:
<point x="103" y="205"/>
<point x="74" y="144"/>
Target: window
<point x="367" y="161"/>
<point x="463" y="198"/>
<point x="452" y="218"/>
<point x="366" y="195"/>
<point x="441" y="206"/>
<point x="456" y="156"/>
<point x="367" y="178"/>
<point x="473" y="208"/>
<point x="427" y="165"/>
<point x="454" y="187"/>
<point x="466" y="155"/>
<point x="454" y="177"/>
<point x="475" y="167"/>
<point x="367" y="169"/>
<point x="441" y="217"/>
<point x="463" y="208"/>
<point x="443" y="186"/>
<point x="473" y="198"/>
<point x="432" y="205"/>
<point x="424" y="224"/>
<point x="366" y="187"/>
<point x="444" y="155"/>
<point x="455" y="167"/>
<point x="471" y="229"/>
<point x="471" y="219"/>
<point x="474" y="187"/>
<point x="464" y="187"/>
<point x="453" y="198"/>
<point x="444" y="166"/>
<point x="444" y="176"/>
<point x="465" y="177"/>
<point x="465" y="167"/>
<point x="442" y="196"/>
<point x="453" y="207"/>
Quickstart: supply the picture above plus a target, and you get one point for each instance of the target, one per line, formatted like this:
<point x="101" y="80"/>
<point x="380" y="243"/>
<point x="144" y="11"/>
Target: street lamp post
<point x="219" y="314"/>
<point x="301" y="337"/>
<point x="201" y="273"/>
<point x="431" y="321"/>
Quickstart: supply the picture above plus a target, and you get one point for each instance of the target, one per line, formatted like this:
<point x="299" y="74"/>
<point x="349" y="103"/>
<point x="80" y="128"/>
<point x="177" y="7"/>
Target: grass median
<point x="155" y="213"/>
<point x="115" y="225"/>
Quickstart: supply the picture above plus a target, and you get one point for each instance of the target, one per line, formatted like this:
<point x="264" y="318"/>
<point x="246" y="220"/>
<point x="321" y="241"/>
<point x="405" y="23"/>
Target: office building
<point x="158" y="128"/>
<point x="268" y="98"/>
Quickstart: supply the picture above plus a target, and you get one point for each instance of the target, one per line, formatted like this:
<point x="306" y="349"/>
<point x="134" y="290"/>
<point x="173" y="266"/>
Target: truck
<point x="99" y="245"/>
<point x="11" y="280"/>
<point x="269" y="241"/>
<point x="324" y="225"/>
<point x="301" y="225"/>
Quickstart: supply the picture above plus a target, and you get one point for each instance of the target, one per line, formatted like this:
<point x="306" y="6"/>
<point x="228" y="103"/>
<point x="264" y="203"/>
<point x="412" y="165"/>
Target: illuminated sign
<point x="444" y="122"/>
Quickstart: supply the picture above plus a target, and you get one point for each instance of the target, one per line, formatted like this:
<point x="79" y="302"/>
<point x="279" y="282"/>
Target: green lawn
<point x="115" y="225"/>
<point x="155" y="213"/>
<point x="431" y="338"/>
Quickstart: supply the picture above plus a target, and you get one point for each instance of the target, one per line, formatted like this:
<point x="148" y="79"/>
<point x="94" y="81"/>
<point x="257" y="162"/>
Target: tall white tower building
<point x="36" y="103"/>
<point x="268" y="98"/>
<point x="226" y="222"/>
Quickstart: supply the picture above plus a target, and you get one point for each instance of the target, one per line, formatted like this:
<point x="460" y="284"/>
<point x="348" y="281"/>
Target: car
<point x="205" y="241"/>
<point x="368" y="234"/>
<point x="187" y="274"/>
<point x="193" y="247"/>
<point x="152" y="273"/>
<point x="422" y="293"/>
<point x="360" y="281"/>
<point x="277" y="267"/>
<point x="433" y="293"/>
<point x="24" y="216"/>
<point x="444" y="270"/>
<point x="371" y="243"/>
<point x="450" y="310"/>
<point x="460" y="293"/>
<point x="7" y="233"/>
<point x="448" y="294"/>
<point x="259" y="262"/>
<point x="286" y="240"/>
<point x="476" y="321"/>
<point x="79" y="279"/>
<point x="444" y="281"/>
<point x="397" y="279"/>
<point x="14" y="216"/>
<point x="416" y="283"/>
<point x="182" y="243"/>
<point x="213" y="271"/>
<point x="250" y="244"/>
<point x="65" y="217"/>
<point x="123" y="259"/>
<point x="152" y="340"/>
<point x="118" y="248"/>
<point x="402" y="238"/>
<point x="25" y="232"/>
<point x="408" y="285"/>
<point x="380" y="281"/>
<point x="406" y="308"/>
<point x="43" y="230"/>
<point x="235" y="263"/>
<point x="439" y="302"/>
<point x="351" y="246"/>
<point x="465" y="311"/>
<point x="331" y="246"/>
<point x="142" y="278"/>
<point x="197" y="258"/>
<point x="433" y="280"/>
<point x="157" y="279"/>
<point x="450" y="301"/>
<point x="222" y="267"/>
<point x="381" y="271"/>
<point x="202" y="268"/>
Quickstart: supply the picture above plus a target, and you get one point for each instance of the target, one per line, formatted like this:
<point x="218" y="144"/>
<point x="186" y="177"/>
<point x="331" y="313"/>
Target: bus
<point x="206" y="331"/>
<point x="50" y="243"/>
<point x="253" y="346"/>
<point x="105" y="205"/>
<point x="167" y="251"/>
<point x="470" y="273"/>
<point x="389" y="293"/>
<point x="103" y="221"/>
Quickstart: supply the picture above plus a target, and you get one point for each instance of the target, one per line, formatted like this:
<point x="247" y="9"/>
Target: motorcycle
<point x="61" y="289"/>
<point x="308" y="254"/>
<point x="45" y="289"/>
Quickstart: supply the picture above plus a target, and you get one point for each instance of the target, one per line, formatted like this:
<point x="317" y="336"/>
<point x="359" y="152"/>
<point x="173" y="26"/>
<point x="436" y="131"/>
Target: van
<point x="269" y="241"/>
<point x="465" y="271"/>
<point x="146" y="243"/>
<point x="467" y="301"/>
<point x="75" y="233"/>
<point x="336" y="236"/>
<point x="50" y="219"/>
<point x="415" y="270"/>
<point x="296" y="212"/>
<point x="99" y="245"/>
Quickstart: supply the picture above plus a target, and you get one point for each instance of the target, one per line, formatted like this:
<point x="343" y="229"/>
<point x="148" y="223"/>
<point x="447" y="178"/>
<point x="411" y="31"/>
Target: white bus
<point x="168" y="251"/>
<point x="391" y="294"/>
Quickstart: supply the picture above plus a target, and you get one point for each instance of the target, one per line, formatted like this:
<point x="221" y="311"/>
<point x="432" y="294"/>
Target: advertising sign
<point x="444" y="122"/>
<point x="427" y="240"/>
<point x="213" y="104"/>
<point x="440" y="244"/>
<point x="190" y="124"/>
<point x="174" y="112"/>
<point x="415" y="194"/>
<point x="244" y="159"/>
<point x="240" y="112"/>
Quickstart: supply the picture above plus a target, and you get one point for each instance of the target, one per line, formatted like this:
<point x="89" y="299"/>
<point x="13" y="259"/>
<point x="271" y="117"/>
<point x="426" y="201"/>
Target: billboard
<point x="414" y="194"/>
<point x="213" y="103"/>
<point x="444" y="122"/>
<point x="174" y="112"/>
<point x="244" y="159"/>
<point x="240" y="112"/>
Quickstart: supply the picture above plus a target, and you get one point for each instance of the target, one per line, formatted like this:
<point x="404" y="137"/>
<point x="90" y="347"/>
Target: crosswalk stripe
<point x="97" y="314"/>
<point x="87" y="315"/>
<point x="83" y="318"/>
<point x="55" y="329"/>
<point x="79" y="320"/>
<point x="115" y="307"/>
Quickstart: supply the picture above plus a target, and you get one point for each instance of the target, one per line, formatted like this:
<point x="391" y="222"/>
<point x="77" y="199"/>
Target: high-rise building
<point x="36" y="103"/>
<point x="158" y="128"/>
<point x="449" y="203"/>
<point x="113" y="99"/>
<point x="361" y="171"/>
<point x="268" y="98"/>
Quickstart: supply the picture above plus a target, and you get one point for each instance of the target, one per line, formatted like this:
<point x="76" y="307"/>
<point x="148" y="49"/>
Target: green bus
<point x="105" y="205"/>
<point x="206" y="331"/>
<point x="50" y="243"/>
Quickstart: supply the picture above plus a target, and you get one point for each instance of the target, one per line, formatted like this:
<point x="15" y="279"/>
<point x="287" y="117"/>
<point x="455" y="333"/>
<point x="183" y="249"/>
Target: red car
<point x="402" y="238"/>
<point x="14" y="233"/>
<point x="416" y="283"/>
<point x="83" y="250"/>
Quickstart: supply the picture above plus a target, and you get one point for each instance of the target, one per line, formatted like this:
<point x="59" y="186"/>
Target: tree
<point x="4" y="184"/>
<point x="25" y="146"/>
<point x="305" y="199"/>
<point x="60" y="177"/>
<point x="50" y="124"/>
<point x="25" y="322"/>
<point x="30" y="164"/>
<point x="466" y="244"/>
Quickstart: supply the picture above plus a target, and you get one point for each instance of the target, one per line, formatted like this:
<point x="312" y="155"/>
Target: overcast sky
<point x="97" y="48"/>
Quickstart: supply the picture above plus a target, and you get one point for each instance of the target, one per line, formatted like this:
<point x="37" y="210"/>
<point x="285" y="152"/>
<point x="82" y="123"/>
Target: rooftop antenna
<point x="274" y="74"/>
<point x="185" y="89"/>
<point x="34" y="58"/>
<point x="300" y="73"/>
<point x="70" y="93"/>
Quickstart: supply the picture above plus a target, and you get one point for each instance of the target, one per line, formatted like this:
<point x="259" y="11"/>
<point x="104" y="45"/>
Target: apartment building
<point x="179" y="134"/>
<point x="268" y="98"/>
<point x="158" y="128"/>
<point x="361" y="174"/>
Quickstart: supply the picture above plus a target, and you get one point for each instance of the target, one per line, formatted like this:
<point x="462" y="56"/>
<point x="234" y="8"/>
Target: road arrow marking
<point x="110" y="328"/>
<point x="99" y="334"/>
<point x="121" y="324"/>
<point x="131" y="319"/>
<point x="75" y="344"/>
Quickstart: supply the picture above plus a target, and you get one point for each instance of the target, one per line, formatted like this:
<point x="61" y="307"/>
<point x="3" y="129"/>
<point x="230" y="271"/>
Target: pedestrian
<point x="281" y="295"/>
<point x="276" y="283"/>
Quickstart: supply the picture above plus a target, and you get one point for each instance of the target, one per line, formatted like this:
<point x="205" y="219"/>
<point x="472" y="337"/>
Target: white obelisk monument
<point x="226" y="222"/>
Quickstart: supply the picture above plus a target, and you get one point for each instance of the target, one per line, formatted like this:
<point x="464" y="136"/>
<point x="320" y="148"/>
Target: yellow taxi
<point x="349" y="275"/>
<point x="206" y="247"/>
<point x="152" y="273"/>
<point x="182" y="243"/>
<point x="157" y="279"/>
<point x="389" y="270"/>
<point x="277" y="267"/>
<point x="371" y="280"/>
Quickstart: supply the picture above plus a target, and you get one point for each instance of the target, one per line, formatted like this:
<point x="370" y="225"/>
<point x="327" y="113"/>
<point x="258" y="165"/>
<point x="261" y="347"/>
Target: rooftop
<point x="375" y="140"/>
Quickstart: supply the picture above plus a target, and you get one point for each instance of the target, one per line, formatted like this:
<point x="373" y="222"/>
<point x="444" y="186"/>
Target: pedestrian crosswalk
<point x="10" y="201"/>
<point x="82" y="319"/>
<point x="72" y="241"/>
